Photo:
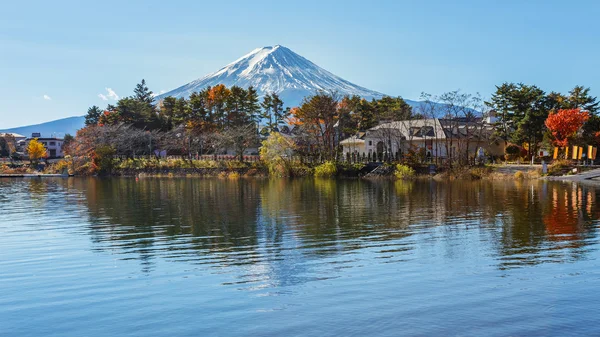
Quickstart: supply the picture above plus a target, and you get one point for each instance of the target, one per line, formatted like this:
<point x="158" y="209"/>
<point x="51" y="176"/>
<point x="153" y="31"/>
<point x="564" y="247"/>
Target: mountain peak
<point x="275" y="69"/>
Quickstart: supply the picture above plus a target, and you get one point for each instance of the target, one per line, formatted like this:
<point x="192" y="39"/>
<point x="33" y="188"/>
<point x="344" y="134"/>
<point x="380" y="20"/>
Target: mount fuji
<point x="274" y="69"/>
<point x="278" y="70"/>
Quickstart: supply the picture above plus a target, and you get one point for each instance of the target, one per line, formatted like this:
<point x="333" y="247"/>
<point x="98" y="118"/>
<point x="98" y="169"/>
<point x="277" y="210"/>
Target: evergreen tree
<point x="197" y="104"/>
<point x="252" y="105"/>
<point x="236" y="114"/>
<point x="278" y="112"/>
<point x="93" y="115"/>
<point x="395" y="109"/>
<point x="167" y="111"/>
<point x="579" y="97"/>
<point x="521" y="110"/>
<point x="266" y="112"/>
<point x="142" y="93"/>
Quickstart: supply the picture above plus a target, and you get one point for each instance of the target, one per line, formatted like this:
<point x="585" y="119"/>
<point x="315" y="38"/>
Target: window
<point x="370" y="143"/>
<point x="52" y="143"/>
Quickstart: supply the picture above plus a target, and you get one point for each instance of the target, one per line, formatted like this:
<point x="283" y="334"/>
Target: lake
<point x="209" y="257"/>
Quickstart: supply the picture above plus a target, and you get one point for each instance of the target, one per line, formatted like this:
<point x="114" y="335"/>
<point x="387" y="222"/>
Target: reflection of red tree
<point x="562" y="222"/>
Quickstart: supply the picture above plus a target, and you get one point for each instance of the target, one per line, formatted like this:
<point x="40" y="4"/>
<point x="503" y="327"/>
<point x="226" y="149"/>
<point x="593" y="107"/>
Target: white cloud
<point x="47" y="98"/>
<point x="111" y="94"/>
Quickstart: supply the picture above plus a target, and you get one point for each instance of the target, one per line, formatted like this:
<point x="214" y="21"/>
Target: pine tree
<point x="266" y="113"/>
<point x="142" y="93"/>
<point x="279" y="113"/>
<point x="579" y="98"/>
<point x="252" y="105"/>
<point x="93" y="115"/>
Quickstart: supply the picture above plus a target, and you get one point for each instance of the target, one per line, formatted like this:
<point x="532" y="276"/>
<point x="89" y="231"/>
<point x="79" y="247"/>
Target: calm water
<point x="187" y="257"/>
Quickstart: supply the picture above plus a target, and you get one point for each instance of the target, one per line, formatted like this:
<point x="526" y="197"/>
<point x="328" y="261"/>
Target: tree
<point x="579" y="98"/>
<point x="93" y="115"/>
<point x="521" y="110"/>
<point x="252" y="105"/>
<point x="393" y="108"/>
<point x="35" y="150"/>
<point x="216" y="103"/>
<point x="167" y="111"/>
<point x="276" y="152"/>
<point x="565" y="123"/>
<point x="236" y="114"/>
<point x="266" y="112"/>
<point x="279" y="113"/>
<point x="238" y="138"/>
<point x="142" y="93"/>
<point x="67" y="143"/>
<point x="317" y="116"/>
<point x="8" y="145"/>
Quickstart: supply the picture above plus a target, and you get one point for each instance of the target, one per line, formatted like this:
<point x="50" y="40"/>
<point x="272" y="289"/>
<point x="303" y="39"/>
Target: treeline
<point x="522" y="113"/>
<point x="219" y="119"/>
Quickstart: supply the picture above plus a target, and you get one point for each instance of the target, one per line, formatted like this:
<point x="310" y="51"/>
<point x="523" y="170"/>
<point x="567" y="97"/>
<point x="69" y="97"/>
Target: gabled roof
<point x="354" y="140"/>
<point x="413" y="129"/>
<point x="12" y="134"/>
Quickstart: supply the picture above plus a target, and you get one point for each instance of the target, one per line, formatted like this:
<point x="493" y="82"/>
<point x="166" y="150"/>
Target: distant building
<point x="16" y="136"/>
<point x="53" y="145"/>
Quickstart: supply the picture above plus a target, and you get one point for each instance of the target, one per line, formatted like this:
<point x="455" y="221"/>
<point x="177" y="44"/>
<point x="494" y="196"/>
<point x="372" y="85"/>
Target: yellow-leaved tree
<point x="35" y="151"/>
<point x="276" y="151"/>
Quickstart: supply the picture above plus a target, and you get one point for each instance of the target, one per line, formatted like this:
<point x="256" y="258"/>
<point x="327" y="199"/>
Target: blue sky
<point x="57" y="57"/>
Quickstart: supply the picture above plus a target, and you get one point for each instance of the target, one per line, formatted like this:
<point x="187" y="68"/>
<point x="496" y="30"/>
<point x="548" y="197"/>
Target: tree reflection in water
<point x="282" y="223"/>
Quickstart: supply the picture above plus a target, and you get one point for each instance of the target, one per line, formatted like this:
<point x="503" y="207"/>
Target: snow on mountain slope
<point x="276" y="69"/>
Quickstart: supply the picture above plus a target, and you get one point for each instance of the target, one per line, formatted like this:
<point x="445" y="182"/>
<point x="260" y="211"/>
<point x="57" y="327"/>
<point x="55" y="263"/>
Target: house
<point x="12" y="141"/>
<point x="53" y="145"/>
<point x="354" y="144"/>
<point x="434" y="138"/>
<point x="17" y="137"/>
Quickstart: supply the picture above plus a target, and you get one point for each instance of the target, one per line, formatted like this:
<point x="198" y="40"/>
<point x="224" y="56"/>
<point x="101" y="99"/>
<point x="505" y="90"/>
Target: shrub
<point x="559" y="167"/>
<point x="519" y="175"/>
<point x="481" y="172"/>
<point x="325" y="170"/>
<point x="275" y="152"/>
<point x="103" y="159"/>
<point x="513" y="152"/>
<point x="404" y="172"/>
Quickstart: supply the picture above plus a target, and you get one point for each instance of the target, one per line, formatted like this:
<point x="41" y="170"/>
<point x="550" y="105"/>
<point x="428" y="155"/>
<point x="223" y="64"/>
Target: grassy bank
<point x="234" y="169"/>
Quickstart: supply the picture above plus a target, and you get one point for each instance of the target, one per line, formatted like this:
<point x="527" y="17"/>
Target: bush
<point x="103" y="160"/>
<point x="519" y="175"/>
<point x="559" y="167"/>
<point x="481" y="172"/>
<point x="513" y="152"/>
<point x="325" y="170"/>
<point x="404" y="172"/>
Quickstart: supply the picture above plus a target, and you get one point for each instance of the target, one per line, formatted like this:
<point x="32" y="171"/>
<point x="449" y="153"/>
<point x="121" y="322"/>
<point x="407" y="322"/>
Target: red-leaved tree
<point x="564" y="124"/>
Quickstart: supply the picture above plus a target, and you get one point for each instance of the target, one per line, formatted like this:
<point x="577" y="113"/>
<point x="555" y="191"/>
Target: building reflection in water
<point x="274" y="228"/>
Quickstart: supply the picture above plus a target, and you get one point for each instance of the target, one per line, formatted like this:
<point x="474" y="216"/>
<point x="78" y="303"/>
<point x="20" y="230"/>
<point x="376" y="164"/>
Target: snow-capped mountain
<point x="278" y="70"/>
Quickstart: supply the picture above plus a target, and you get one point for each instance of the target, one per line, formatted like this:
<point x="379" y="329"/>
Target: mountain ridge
<point x="57" y="128"/>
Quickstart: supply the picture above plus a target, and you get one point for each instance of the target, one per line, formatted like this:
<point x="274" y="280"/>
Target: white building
<point x="434" y="138"/>
<point x="53" y="145"/>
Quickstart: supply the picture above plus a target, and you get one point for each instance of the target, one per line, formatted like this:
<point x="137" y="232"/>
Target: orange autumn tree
<point x="564" y="124"/>
<point x="317" y="117"/>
